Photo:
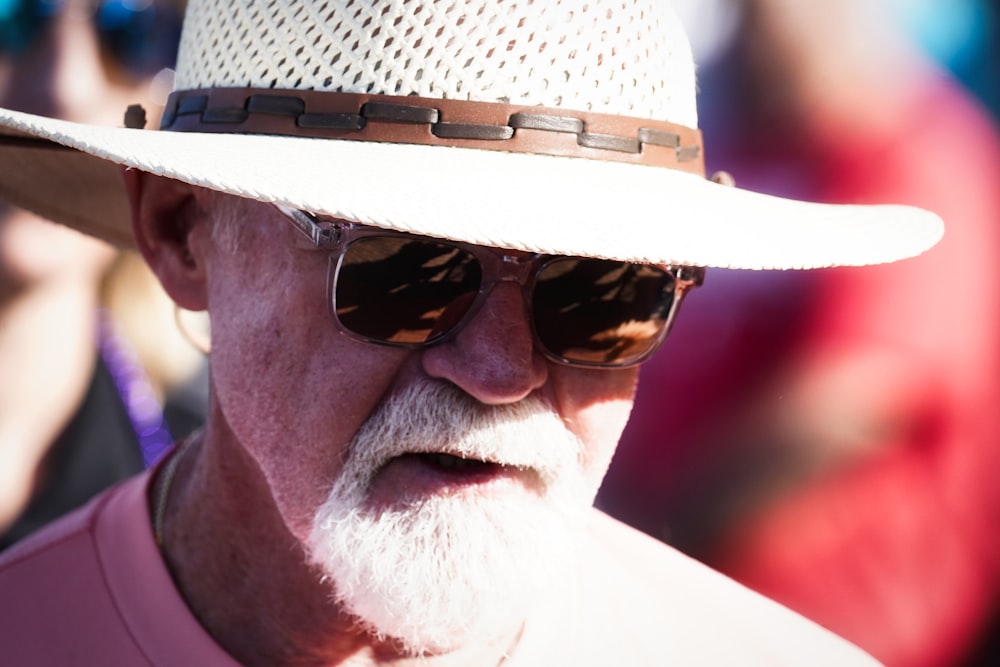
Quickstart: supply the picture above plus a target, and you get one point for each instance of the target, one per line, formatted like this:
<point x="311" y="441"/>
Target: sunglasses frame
<point x="498" y="265"/>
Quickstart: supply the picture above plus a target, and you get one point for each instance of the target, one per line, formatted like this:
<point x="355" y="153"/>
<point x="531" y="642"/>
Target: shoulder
<point x="59" y="539"/>
<point x="93" y="589"/>
<point x="58" y="606"/>
<point x="670" y="609"/>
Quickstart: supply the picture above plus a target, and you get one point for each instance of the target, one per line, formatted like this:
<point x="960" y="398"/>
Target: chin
<point x="435" y="554"/>
<point x="445" y="573"/>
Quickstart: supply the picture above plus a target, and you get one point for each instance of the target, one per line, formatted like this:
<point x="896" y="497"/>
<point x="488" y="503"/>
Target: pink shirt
<point x="92" y="590"/>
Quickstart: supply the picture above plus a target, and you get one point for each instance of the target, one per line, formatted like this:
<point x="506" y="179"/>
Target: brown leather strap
<point x="438" y="122"/>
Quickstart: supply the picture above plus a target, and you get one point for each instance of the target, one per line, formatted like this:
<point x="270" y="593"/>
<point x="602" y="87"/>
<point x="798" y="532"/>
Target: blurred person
<point x="436" y="240"/>
<point x="82" y="382"/>
<point x="846" y="465"/>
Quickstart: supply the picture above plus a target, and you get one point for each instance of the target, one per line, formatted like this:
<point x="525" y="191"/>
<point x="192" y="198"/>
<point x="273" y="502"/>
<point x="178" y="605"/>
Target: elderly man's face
<point x="436" y="487"/>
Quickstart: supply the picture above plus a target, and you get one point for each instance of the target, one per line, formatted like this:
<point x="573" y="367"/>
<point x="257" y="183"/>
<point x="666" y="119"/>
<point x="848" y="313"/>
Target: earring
<point x="198" y="333"/>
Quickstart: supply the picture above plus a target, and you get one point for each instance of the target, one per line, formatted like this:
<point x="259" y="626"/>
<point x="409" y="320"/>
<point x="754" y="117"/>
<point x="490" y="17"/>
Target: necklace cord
<point x="163" y="484"/>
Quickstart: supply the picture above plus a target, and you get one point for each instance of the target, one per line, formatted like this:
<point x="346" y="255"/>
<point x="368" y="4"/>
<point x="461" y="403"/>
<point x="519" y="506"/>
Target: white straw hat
<point x="556" y="126"/>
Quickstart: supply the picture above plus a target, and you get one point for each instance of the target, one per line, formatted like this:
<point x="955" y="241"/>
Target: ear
<point x="166" y="219"/>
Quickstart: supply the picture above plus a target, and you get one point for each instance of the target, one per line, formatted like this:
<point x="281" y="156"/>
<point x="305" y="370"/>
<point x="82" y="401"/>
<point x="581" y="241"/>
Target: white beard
<point x="446" y="571"/>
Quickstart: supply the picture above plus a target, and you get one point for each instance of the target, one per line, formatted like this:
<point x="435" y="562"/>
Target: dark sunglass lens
<point x="403" y="291"/>
<point x="601" y="312"/>
<point x="141" y="37"/>
<point x="21" y="21"/>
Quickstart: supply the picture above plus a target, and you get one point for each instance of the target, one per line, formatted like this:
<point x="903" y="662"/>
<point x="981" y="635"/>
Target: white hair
<point x="439" y="572"/>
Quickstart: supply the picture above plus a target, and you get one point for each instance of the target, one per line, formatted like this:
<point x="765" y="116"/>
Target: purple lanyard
<point x="136" y="391"/>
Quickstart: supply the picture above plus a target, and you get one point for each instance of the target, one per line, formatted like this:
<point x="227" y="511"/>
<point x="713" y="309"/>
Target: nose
<point x="493" y="358"/>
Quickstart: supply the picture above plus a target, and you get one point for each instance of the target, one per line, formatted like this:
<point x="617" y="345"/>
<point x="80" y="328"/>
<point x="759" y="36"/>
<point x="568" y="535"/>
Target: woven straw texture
<point x="626" y="57"/>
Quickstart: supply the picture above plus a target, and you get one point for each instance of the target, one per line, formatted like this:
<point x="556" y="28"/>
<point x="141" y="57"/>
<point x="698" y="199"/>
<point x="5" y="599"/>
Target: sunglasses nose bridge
<point x="501" y="266"/>
<point x="506" y="266"/>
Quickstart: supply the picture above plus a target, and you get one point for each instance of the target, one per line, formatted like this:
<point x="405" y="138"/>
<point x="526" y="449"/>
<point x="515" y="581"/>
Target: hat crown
<point x="624" y="57"/>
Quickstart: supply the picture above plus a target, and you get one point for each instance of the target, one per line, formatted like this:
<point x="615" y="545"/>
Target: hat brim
<point x="539" y="203"/>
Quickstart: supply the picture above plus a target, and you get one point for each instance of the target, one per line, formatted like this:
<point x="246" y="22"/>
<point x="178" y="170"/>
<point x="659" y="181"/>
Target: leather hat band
<point x="438" y="122"/>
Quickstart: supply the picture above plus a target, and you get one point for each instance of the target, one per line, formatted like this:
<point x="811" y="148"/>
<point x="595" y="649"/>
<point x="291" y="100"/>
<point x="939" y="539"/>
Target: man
<point x="435" y="241"/>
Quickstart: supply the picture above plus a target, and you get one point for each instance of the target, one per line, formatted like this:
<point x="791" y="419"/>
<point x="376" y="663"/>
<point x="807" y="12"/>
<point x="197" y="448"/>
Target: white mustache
<point x="435" y="417"/>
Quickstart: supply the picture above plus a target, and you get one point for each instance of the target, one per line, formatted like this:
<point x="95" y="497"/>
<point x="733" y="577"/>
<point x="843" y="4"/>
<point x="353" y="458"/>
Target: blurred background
<point x="97" y="380"/>
<point x="830" y="438"/>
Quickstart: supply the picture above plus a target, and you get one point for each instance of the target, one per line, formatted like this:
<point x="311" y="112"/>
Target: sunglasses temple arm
<point x="318" y="235"/>
<point x="691" y="276"/>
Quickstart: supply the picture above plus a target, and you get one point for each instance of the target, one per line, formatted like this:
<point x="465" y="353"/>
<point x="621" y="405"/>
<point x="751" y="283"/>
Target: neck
<point x="241" y="572"/>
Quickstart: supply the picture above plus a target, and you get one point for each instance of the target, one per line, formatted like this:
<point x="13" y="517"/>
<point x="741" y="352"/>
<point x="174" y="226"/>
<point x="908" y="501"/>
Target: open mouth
<point x="458" y="464"/>
<point x="422" y="474"/>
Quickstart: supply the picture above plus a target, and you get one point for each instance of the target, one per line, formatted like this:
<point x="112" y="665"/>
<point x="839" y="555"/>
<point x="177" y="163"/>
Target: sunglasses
<point x="401" y="290"/>
<point x="138" y="37"/>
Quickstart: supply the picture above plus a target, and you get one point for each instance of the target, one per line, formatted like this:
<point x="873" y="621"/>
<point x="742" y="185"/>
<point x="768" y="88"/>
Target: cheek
<point x="600" y="428"/>
<point x="596" y="406"/>
<point x="283" y="386"/>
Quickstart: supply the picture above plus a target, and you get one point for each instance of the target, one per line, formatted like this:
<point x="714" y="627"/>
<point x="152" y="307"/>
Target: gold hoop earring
<point x="200" y="337"/>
